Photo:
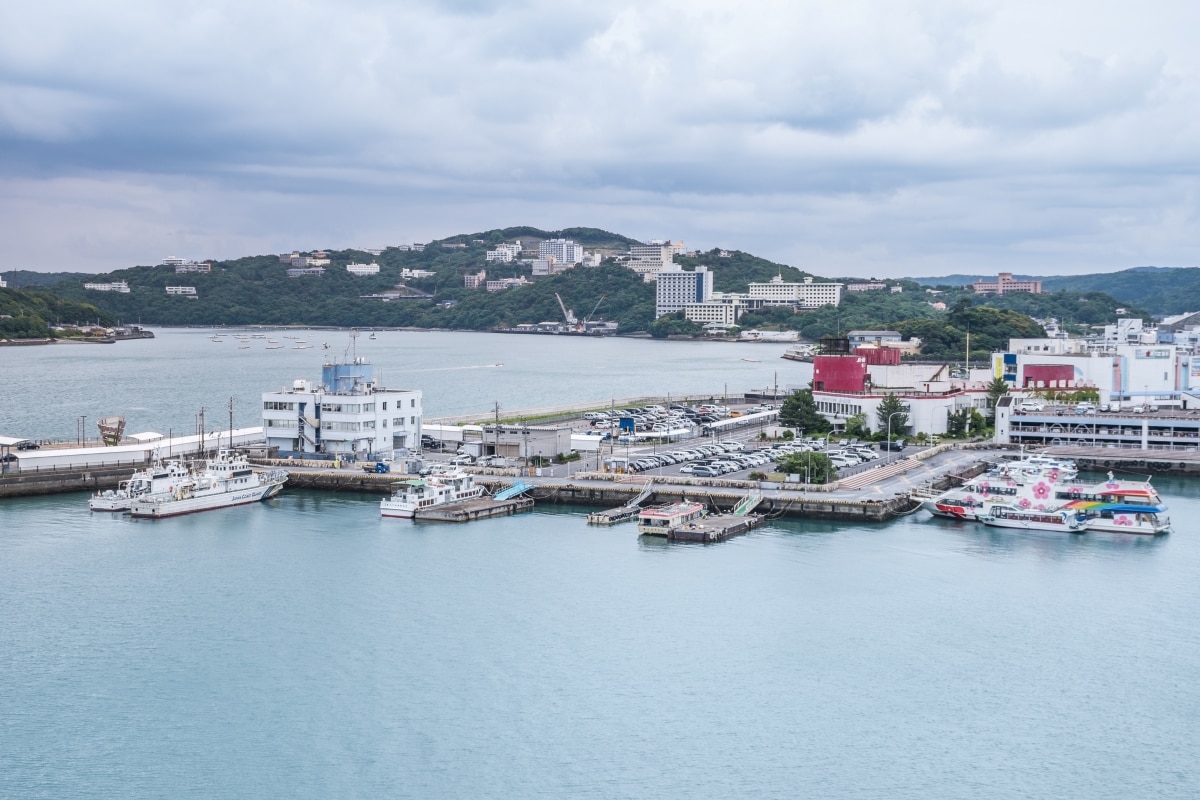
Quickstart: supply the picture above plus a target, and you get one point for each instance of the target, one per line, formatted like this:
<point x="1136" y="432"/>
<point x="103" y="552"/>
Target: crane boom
<point x="588" y="318"/>
<point x="569" y="316"/>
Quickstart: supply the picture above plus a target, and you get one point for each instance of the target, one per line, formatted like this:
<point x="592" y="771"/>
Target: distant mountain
<point x="1162" y="290"/>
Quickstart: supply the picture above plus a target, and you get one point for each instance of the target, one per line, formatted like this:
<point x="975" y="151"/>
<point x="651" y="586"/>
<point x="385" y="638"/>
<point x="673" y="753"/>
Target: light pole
<point x="889" y="432"/>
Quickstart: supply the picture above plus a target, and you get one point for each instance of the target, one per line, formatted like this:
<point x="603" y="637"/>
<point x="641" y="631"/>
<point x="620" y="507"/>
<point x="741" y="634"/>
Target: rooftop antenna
<point x="352" y="348"/>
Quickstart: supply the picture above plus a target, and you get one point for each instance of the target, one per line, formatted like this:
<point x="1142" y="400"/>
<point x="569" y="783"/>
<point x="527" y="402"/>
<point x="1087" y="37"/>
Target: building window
<point x="385" y="405"/>
<point x="412" y="403"/>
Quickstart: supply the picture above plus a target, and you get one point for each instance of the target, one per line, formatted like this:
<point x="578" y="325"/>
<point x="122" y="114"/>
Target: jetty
<point x="625" y="513"/>
<point x="479" y="508"/>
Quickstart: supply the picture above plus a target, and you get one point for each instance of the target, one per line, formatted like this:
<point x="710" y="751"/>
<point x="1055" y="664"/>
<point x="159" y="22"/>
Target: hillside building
<point x="678" y="288"/>
<point x="121" y="287"/>
<point x="648" y="260"/>
<point x="778" y="292"/>
<point x="563" y="251"/>
<point x="1006" y="284"/>
<point x="188" y="291"/>
<point x="363" y="269"/>
<point x="474" y="281"/>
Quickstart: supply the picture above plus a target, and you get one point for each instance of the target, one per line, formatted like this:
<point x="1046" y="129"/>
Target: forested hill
<point x="256" y="289"/>
<point x="1164" y="290"/>
<point x="29" y="313"/>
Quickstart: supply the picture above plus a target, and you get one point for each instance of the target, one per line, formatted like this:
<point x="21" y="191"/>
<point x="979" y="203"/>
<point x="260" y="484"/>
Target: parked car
<point x="894" y="444"/>
<point x="27" y="445"/>
<point x="1085" y="408"/>
<point x="1031" y="405"/>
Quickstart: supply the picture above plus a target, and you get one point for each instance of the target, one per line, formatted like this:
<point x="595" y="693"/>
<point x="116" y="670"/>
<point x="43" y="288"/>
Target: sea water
<point x="307" y="648"/>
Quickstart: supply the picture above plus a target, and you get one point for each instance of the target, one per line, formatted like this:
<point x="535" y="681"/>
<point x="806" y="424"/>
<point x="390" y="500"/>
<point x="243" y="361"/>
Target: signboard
<point x="1152" y="352"/>
<point x="1194" y="367"/>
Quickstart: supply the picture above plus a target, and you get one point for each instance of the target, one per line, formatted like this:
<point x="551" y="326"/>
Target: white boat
<point x="158" y="477"/>
<point x="659" y="520"/>
<point x="422" y="494"/>
<point x="1018" y="482"/>
<point x="227" y="480"/>
<point x="1118" y="506"/>
<point x="274" y="347"/>
<point x="1031" y="519"/>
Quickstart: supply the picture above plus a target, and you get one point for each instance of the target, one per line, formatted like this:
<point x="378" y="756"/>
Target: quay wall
<point x="21" y="484"/>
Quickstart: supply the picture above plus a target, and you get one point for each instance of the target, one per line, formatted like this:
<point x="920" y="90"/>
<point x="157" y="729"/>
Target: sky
<point x="878" y="138"/>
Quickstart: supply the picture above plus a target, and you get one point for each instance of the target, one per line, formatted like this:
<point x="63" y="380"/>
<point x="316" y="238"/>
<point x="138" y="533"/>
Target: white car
<point x="1031" y="405"/>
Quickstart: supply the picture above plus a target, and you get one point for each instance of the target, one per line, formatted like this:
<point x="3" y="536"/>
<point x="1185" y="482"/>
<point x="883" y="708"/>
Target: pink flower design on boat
<point x="984" y="488"/>
<point x="1053" y="475"/>
<point x="1024" y="502"/>
<point x="1121" y="519"/>
<point x="1041" y="490"/>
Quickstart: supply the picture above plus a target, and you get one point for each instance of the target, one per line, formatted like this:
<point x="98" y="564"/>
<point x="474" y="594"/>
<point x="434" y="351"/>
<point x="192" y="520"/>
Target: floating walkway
<point x="625" y="513"/>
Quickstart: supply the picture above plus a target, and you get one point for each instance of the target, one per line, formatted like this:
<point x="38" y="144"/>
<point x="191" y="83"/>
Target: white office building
<point x="564" y="251"/>
<point x="808" y="294"/>
<point x="677" y="289"/>
<point x="346" y="415"/>
<point x="363" y="269"/>
<point x="116" y="286"/>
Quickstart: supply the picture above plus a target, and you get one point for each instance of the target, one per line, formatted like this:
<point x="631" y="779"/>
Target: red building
<point x="846" y="373"/>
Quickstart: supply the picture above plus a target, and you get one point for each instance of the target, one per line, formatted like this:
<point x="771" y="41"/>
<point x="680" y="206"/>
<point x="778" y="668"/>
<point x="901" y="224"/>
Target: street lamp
<point x="889" y="431"/>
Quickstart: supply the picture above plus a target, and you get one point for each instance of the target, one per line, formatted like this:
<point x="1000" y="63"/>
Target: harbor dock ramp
<point x="625" y="513"/>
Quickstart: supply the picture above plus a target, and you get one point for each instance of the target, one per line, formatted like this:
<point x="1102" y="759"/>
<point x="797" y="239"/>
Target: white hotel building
<point x="776" y="292"/>
<point x="346" y="415"/>
<point x="678" y="289"/>
<point x="363" y="269"/>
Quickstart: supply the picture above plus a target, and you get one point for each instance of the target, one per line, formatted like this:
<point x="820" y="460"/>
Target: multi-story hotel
<point x="777" y="292"/>
<point x="1005" y="284"/>
<point x="678" y="288"/>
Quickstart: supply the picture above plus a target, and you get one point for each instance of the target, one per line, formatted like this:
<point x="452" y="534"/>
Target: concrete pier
<point x="480" y="508"/>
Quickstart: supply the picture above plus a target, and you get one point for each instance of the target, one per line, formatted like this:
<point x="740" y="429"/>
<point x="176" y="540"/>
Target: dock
<point x="715" y="528"/>
<point x="479" y="508"/>
<point x="625" y="513"/>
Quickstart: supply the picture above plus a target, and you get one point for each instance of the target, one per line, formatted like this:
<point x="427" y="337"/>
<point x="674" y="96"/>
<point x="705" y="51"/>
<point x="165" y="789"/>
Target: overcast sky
<point x="875" y="138"/>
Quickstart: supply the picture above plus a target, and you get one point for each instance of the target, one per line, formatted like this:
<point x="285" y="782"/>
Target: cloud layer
<point x="871" y="138"/>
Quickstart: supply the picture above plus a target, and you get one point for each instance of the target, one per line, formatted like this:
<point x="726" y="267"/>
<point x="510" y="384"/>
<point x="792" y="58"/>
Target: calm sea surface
<point x="306" y="648"/>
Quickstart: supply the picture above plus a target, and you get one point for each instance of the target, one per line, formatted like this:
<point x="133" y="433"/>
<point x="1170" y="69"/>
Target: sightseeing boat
<point x="1061" y="520"/>
<point x="227" y="480"/>
<point x="1117" y="506"/>
<point x="659" y="520"/>
<point x="158" y="477"/>
<point x="421" y="494"/>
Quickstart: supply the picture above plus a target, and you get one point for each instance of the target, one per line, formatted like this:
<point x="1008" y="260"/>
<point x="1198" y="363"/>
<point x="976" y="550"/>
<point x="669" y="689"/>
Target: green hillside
<point x="29" y="313"/>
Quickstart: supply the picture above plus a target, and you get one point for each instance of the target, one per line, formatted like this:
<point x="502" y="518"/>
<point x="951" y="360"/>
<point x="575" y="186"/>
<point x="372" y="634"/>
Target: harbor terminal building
<point x="347" y="415"/>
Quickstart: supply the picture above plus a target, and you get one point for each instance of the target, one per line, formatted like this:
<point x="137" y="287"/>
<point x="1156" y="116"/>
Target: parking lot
<point x="705" y="441"/>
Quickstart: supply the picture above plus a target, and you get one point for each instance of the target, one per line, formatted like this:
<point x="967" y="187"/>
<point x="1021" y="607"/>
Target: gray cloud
<point x="867" y="138"/>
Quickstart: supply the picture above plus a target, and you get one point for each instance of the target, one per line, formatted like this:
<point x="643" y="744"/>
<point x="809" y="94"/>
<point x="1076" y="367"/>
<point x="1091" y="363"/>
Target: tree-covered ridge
<point x="30" y="313"/>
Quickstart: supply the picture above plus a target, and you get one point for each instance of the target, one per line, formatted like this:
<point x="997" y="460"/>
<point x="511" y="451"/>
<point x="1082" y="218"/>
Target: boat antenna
<point x="231" y="424"/>
<point x="352" y="348"/>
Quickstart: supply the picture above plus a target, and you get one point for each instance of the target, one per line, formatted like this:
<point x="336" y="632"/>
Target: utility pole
<point x="496" y="446"/>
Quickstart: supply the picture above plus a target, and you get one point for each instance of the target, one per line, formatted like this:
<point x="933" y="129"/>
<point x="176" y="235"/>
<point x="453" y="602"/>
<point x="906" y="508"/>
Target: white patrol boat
<point x="158" y="477"/>
<point x="227" y="480"/>
<point x="412" y="496"/>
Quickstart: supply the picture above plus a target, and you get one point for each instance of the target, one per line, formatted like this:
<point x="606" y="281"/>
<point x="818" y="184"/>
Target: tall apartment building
<point x="648" y="260"/>
<point x="505" y="252"/>
<point x="677" y="289"/>
<point x="348" y="414"/>
<point x="808" y="294"/>
<point x="1005" y="283"/>
<point x="564" y="251"/>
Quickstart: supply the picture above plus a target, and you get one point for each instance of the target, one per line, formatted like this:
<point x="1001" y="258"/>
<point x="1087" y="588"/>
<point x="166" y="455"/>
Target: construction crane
<point x="569" y="316"/>
<point x="588" y="318"/>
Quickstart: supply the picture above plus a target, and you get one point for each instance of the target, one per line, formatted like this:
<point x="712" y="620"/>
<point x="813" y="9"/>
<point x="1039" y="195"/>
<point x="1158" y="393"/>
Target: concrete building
<point x="857" y="338"/>
<point x="505" y="253"/>
<point x="678" y="288"/>
<point x="182" y="290"/>
<point x="363" y="269"/>
<point x="1006" y="284"/>
<point x="505" y="283"/>
<point x="548" y="265"/>
<point x="299" y="272"/>
<point x="845" y="386"/>
<point x="648" y="260"/>
<point x="869" y="286"/>
<point x="121" y="287"/>
<point x="474" y="281"/>
<point x="346" y="415"/>
<point x="564" y="251"/>
<point x="416" y="274"/>
<point x="807" y="294"/>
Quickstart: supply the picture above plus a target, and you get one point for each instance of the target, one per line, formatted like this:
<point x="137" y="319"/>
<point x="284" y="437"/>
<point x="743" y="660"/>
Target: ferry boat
<point x="1061" y="520"/>
<point x="227" y="480"/>
<point x="659" y="520"/>
<point x="158" y="477"/>
<point x="421" y="494"/>
<point x="1117" y="506"/>
<point x="1034" y="480"/>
